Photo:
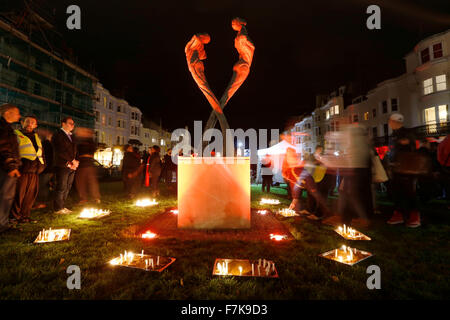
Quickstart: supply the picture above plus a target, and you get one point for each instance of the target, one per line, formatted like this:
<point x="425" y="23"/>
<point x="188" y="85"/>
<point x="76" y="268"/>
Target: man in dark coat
<point x="9" y="162"/>
<point x="33" y="163"/>
<point x="65" y="163"/>
<point x="131" y="168"/>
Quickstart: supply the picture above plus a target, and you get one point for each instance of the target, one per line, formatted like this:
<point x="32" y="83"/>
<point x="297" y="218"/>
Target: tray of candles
<point x="53" y="235"/>
<point x="142" y="261"/>
<point x="245" y="268"/>
<point x="346" y="255"/>
<point x="351" y="234"/>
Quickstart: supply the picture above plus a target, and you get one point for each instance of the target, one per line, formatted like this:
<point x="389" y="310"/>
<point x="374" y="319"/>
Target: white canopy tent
<point x="277" y="153"/>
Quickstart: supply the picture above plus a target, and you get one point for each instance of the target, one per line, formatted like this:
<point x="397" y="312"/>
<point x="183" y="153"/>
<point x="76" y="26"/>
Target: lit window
<point x="366" y="115"/>
<point x="441" y="83"/>
<point x="425" y="55"/>
<point x="327" y="114"/>
<point x="430" y="115"/>
<point x="437" y="50"/>
<point x="162" y="142"/>
<point x="336" y="109"/>
<point x="331" y="111"/>
<point x="428" y="86"/>
<point x="103" y="119"/>
<point x="443" y="113"/>
<point x="104" y="102"/>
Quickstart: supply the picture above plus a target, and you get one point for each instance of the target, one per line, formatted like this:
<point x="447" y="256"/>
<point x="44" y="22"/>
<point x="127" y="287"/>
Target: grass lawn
<point x="414" y="263"/>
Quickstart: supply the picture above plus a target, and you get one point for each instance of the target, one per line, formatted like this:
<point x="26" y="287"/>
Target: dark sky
<point x="302" y="49"/>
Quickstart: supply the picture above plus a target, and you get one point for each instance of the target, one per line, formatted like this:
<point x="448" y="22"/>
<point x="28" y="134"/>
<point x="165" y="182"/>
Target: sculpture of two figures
<point x="195" y="53"/>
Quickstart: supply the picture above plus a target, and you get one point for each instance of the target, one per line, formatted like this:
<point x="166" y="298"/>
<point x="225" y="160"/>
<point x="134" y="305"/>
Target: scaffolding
<point x="37" y="77"/>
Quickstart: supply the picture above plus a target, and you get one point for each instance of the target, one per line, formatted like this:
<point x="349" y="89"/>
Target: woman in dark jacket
<point x="130" y="171"/>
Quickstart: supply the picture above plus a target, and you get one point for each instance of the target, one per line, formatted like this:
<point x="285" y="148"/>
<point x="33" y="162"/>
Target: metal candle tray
<point x="99" y="216"/>
<point x="358" y="235"/>
<point x="53" y="235"/>
<point x="358" y="255"/>
<point x="246" y="265"/>
<point x="138" y="262"/>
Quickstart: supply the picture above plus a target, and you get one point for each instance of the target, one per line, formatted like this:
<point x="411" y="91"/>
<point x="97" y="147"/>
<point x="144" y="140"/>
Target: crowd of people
<point x="38" y="167"/>
<point x="411" y="173"/>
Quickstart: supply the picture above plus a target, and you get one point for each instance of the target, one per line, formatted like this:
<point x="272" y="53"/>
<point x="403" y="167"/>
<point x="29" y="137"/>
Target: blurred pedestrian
<point x="65" y="153"/>
<point x="33" y="163"/>
<point x="443" y="156"/>
<point x="9" y="162"/>
<point x="153" y="171"/>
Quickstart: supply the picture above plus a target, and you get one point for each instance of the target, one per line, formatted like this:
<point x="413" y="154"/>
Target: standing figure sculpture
<point x="195" y="53"/>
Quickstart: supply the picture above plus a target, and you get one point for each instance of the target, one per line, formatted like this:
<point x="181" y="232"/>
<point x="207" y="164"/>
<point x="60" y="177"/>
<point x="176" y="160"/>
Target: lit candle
<point x="146" y="263"/>
<point x="340" y="259"/>
<point x="259" y="262"/>
<point x="121" y="258"/>
<point x="340" y="229"/>
<point x="253" y="269"/>
<point x="259" y="270"/>
<point x="142" y="253"/>
<point x="157" y="261"/>
<point x="273" y="266"/>
<point x="151" y="263"/>
<point x="240" y="270"/>
<point x="344" y="229"/>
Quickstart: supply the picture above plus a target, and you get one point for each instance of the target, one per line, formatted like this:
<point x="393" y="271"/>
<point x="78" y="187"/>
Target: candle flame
<point x="269" y="201"/>
<point x="146" y="202"/>
<point x="148" y="235"/>
<point x="90" y="213"/>
<point x="277" y="237"/>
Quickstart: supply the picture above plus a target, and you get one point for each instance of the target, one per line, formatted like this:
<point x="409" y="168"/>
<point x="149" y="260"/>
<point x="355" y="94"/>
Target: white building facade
<point x="422" y="95"/>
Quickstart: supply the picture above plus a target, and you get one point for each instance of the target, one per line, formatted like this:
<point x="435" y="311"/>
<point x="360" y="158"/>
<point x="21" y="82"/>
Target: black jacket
<point x="64" y="150"/>
<point x="9" y="147"/>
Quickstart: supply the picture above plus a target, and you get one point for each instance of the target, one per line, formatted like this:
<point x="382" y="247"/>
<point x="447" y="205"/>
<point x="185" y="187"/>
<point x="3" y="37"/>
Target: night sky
<point x="302" y="49"/>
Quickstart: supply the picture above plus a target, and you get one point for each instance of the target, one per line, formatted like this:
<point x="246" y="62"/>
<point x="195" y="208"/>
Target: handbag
<point x="378" y="173"/>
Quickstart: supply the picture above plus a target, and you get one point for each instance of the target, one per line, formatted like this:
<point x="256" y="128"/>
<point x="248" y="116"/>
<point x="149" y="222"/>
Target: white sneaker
<point x="60" y="212"/>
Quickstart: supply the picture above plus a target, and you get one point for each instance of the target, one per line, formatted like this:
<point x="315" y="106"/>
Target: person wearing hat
<point x="403" y="146"/>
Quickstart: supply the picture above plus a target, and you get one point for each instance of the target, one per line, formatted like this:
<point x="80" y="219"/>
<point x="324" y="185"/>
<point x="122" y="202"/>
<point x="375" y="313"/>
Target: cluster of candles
<point x="93" y="213"/>
<point x="286" y="212"/>
<point x="148" y="235"/>
<point x="345" y="254"/>
<point x="265" y="265"/>
<point x="351" y="233"/>
<point x="269" y="201"/>
<point x="127" y="258"/>
<point x="278" y="237"/>
<point x="52" y="235"/>
<point x="174" y="211"/>
<point x="262" y="212"/>
<point x="146" y="202"/>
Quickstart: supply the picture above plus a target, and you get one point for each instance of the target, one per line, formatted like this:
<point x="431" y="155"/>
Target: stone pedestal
<point x="214" y="193"/>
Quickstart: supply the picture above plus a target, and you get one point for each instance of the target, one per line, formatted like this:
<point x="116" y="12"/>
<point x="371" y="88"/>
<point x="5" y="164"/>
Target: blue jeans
<point x="7" y="193"/>
<point x="64" y="180"/>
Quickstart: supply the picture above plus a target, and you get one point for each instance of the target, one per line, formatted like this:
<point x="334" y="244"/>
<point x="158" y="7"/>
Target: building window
<point x="437" y="50"/>
<point x="331" y="111"/>
<point x="132" y="129"/>
<point x="37" y="89"/>
<point x="162" y="142"/>
<point x="132" y="116"/>
<point x="384" y="106"/>
<point x="443" y="113"/>
<point x="366" y="115"/>
<point x="104" y="102"/>
<point x="355" y="118"/>
<point x="110" y="106"/>
<point x="103" y="120"/>
<point x="327" y="115"/>
<point x="425" y="55"/>
<point x="118" y="108"/>
<point x="96" y="136"/>
<point x="430" y="115"/>
<point x="374" y="132"/>
<point x="118" y="140"/>
<point x="109" y="121"/>
<point x="68" y="99"/>
<point x="97" y="118"/>
<point x="118" y="123"/>
<point x="428" y="86"/>
<point x="441" y="82"/>
<point x="394" y="104"/>
<point x="374" y="112"/>
<point x="386" y="129"/>
<point x="336" y="109"/>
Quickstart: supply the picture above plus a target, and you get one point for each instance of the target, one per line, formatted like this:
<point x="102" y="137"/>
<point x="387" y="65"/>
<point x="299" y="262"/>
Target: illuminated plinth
<point x="142" y="261"/>
<point x="245" y="268"/>
<point x="214" y="193"/>
<point x="52" y="235"/>
<point x="346" y="255"/>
